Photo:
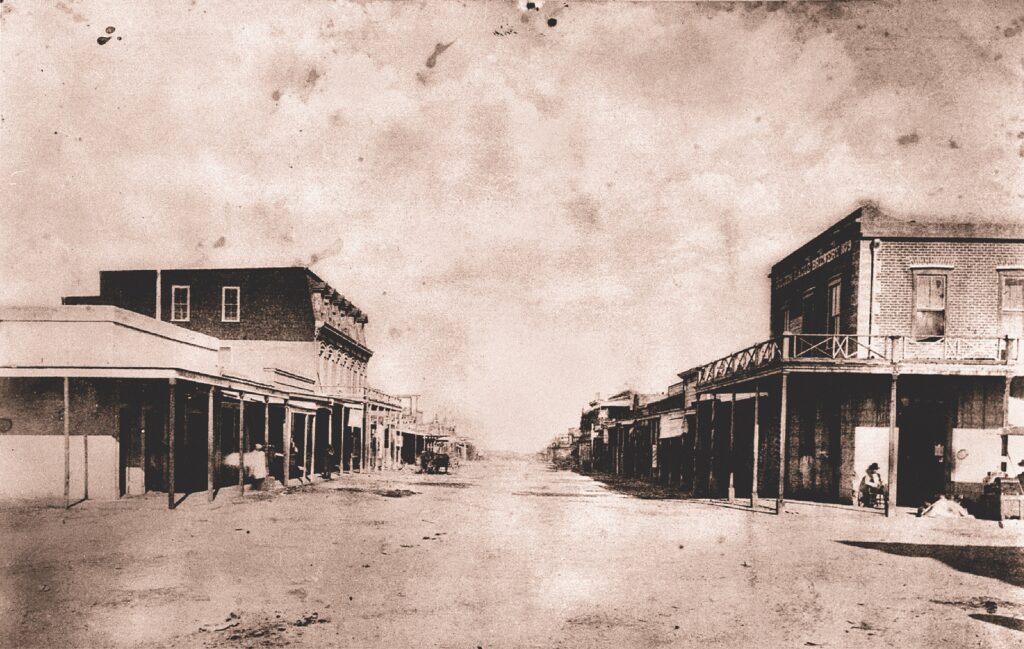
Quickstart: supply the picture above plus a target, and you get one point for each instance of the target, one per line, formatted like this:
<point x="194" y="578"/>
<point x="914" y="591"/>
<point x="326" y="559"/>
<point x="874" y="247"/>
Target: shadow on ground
<point x="639" y="488"/>
<point x="998" y="562"/>
<point x="1002" y="620"/>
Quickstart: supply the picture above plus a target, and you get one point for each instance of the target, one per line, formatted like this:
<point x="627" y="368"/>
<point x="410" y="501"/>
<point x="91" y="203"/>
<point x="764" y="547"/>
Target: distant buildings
<point x="190" y="380"/>
<point x="892" y="342"/>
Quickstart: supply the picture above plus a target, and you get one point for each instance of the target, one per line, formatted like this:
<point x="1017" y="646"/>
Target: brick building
<point x="205" y="367"/>
<point x="892" y="341"/>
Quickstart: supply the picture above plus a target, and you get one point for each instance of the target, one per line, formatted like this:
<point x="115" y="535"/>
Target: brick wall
<point x="845" y="267"/>
<point x="275" y="302"/>
<point x="972" y="287"/>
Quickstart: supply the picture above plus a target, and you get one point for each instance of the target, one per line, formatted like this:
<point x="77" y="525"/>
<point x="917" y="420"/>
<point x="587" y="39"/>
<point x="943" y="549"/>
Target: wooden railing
<point x="900" y="348"/>
<point x="753" y="357"/>
<point x="379" y="396"/>
<point x="848" y="347"/>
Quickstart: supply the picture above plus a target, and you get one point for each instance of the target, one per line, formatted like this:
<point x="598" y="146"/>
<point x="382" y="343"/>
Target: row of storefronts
<point x="893" y="342"/>
<point x="190" y="381"/>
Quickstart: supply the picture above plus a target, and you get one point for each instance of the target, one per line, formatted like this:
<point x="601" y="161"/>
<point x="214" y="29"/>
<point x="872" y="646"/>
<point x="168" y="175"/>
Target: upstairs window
<point x="807" y="321"/>
<point x="929" y="306"/>
<point x="1011" y="304"/>
<point x="180" y="303"/>
<point x="835" y="307"/>
<point x="230" y="306"/>
<point x="787" y="319"/>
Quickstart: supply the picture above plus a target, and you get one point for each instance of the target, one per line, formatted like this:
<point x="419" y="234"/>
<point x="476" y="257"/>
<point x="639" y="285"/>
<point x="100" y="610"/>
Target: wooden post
<point x="732" y="455"/>
<point x="172" y="424"/>
<point x="67" y="443"/>
<point x="695" y="449"/>
<point x="85" y="466"/>
<point x="241" y="443"/>
<point x="142" y="444"/>
<point x="780" y="499"/>
<point x="894" y="449"/>
<point x="122" y="464"/>
<point x="312" y="445"/>
<point x="305" y="447"/>
<point x="330" y="440"/>
<point x="210" y="453"/>
<point x="266" y="422"/>
<point x="1006" y="413"/>
<point x="286" y="443"/>
<point x="757" y="434"/>
<point x="711" y="442"/>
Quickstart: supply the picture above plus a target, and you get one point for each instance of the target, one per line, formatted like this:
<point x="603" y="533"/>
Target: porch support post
<point x="210" y="453"/>
<point x="172" y="426"/>
<point x="757" y="433"/>
<point x="696" y="447"/>
<point x="1006" y="415"/>
<point x="305" y="446"/>
<point x="711" y="442"/>
<point x="122" y="464"/>
<point x="67" y="443"/>
<point x="330" y="438"/>
<point x="266" y="422"/>
<point x="312" y="445"/>
<point x="286" y="443"/>
<point x="85" y="467"/>
<point x="780" y="498"/>
<point x="732" y="455"/>
<point x="894" y="448"/>
<point x="241" y="443"/>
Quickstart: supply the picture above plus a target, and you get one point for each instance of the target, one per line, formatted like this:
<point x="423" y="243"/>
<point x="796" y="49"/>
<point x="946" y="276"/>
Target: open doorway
<point x="923" y="415"/>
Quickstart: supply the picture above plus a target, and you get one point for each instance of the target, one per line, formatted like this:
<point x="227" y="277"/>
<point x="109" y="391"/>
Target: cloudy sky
<point x="532" y="205"/>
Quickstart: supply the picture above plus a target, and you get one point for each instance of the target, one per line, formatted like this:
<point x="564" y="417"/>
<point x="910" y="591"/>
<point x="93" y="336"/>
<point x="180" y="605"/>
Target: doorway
<point x="923" y="415"/>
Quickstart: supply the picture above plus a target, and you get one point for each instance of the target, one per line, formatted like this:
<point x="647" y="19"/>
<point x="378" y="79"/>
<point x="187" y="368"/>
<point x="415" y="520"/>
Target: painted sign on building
<point x="814" y="263"/>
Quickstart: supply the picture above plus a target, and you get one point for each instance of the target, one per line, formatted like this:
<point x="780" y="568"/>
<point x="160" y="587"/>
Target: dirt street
<point x="503" y="553"/>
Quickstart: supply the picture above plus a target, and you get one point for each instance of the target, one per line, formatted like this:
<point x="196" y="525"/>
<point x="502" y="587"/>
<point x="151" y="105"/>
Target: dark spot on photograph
<point x="909" y="138"/>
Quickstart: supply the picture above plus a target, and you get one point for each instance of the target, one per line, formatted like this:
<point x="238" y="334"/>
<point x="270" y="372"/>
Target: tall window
<point x="180" y="303"/>
<point x="807" y="322"/>
<point x="929" y="305"/>
<point x="1011" y="304"/>
<point x="835" y="307"/>
<point x="787" y="319"/>
<point x="230" y="307"/>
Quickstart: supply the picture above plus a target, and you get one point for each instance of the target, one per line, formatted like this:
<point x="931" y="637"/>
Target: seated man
<point x="871" y="486"/>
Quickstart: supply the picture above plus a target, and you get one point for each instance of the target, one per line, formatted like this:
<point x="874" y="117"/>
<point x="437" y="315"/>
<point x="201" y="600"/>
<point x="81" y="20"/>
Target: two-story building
<point x="599" y="427"/>
<point x="893" y="342"/>
<point x="187" y="374"/>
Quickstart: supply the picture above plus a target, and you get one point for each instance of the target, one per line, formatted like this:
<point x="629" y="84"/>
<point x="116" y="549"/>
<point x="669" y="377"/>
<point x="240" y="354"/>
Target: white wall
<point x="99" y="342"/>
<point x="252" y="357"/>
<point x="32" y="466"/>
<point x="976" y="452"/>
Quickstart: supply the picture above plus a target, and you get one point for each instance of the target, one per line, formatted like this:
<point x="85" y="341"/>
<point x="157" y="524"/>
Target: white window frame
<point x="834" y="307"/>
<point x="1003" y="276"/>
<point x="917" y="273"/>
<point x="188" y="302"/>
<point x="223" y="304"/>
<point x="1005" y="311"/>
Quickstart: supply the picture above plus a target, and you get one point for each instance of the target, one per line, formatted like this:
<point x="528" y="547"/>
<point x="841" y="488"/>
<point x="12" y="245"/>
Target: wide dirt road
<point x="499" y="554"/>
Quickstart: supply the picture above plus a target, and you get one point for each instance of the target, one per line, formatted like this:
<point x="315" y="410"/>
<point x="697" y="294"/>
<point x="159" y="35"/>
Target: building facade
<point x="894" y="342"/>
<point x="189" y="378"/>
<point x="891" y="341"/>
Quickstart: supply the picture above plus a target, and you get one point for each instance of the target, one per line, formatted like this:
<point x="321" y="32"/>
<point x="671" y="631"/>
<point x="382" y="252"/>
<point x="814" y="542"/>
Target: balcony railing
<point x="373" y="394"/>
<point x="847" y="347"/>
<point x="753" y="357"/>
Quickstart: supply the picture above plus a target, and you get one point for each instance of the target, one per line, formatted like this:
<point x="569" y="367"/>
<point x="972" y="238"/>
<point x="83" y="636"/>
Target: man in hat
<point x="871" y="486"/>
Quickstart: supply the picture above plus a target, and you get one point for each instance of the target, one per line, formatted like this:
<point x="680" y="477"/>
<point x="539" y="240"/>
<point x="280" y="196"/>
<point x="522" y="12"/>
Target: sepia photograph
<point x="511" y="324"/>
